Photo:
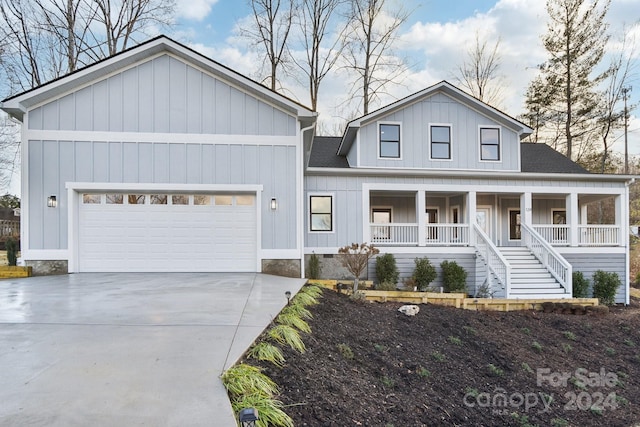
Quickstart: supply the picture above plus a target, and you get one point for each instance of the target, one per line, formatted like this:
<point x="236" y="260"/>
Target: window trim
<point x="480" y="144"/>
<point x="450" y="126"/>
<point x="399" y="124"/>
<point x="333" y="213"/>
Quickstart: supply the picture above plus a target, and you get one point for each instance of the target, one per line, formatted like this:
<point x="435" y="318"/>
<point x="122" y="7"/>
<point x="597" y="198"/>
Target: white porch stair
<point x="529" y="278"/>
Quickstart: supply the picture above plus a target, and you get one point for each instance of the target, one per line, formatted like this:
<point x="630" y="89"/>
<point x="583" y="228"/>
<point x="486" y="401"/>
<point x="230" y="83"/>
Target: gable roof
<point x="535" y="158"/>
<point x="441" y="87"/>
<point x="18" y="104"/>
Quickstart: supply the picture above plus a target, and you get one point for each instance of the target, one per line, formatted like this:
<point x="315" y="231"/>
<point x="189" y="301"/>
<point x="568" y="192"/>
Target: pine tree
<point x="564" y="97"/>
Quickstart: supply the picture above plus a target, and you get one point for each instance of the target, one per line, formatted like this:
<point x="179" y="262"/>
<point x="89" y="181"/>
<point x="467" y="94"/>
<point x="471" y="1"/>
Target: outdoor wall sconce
<point x="52" y="202"/>
<point x="274" y="204"/>
<point x="248" y="417"/>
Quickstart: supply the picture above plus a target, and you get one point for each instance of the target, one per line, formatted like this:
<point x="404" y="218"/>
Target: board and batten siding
<point x="607" y="262"/>
<point x="406" y="264"/>
<point x="347" y="191"/>
<point x="162" y="95"/>
<point x="465" y="137"/>
<point x="54" y="163"/>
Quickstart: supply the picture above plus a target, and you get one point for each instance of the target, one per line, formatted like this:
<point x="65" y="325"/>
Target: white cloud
<point x="196" y="10"/>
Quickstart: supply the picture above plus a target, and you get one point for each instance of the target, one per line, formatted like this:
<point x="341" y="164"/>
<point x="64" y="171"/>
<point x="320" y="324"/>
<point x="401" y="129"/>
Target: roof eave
<point x="472" y="174"/>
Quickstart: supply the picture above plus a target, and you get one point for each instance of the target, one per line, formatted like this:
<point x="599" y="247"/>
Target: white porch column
<point x="422" y="217"/>
<point x="621" y="215"/>
<point x="526" y="210"/>
<point x="471" y="216"/>
<point x="366" y="228"/>
<point x="571" y="205"/>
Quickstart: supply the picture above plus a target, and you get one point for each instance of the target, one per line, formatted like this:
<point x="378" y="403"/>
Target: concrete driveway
<point x="128" y="349"/>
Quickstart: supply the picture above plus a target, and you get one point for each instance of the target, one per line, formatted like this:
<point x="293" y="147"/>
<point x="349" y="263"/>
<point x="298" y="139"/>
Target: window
<point x="89" y="199"/>
<point x="321" y="213"/>
<point x="179" y="199"/>
<point x="115" y="199"/>
<point x="559" y="216"/>
<point x="224" y="200"/>
<point x="244" y="200"/>
<point x="489" y="144"/>
<point x="381" y="216"/>
<point x="201" y="200"/>
<point x="514" y="225"/>
<point x="440" y="142"/>
<point x="390" y="141"/>
<point x="135" y="199"/>
<point x="158" y="199"/>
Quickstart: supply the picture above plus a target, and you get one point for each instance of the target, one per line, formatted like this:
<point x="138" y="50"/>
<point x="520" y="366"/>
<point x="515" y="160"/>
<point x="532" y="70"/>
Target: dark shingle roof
<point x="540" y="158"/>
<point x="536" y="158"/>
<point x="323" y="153"/>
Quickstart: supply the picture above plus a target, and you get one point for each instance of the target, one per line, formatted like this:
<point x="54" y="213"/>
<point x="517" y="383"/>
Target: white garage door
<point x="167" y="232"/>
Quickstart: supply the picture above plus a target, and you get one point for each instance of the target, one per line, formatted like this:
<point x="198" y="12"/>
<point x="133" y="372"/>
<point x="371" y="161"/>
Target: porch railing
<point x="496" y="263"/>
<point x="408" y="234"/>
<point x="394" y="234"/>
<point x="556" y="234"/>
<point x="548" y="256"/>
<point x="598" y="235"/>
<point x="447" y="234"/>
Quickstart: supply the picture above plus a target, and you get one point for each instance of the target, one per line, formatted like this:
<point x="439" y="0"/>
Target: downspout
<point x="300" y="209"/>
<point x="627" y="241"/>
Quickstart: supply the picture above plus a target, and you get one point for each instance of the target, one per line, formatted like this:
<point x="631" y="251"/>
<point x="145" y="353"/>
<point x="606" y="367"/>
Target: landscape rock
<point x="409" y="310"/>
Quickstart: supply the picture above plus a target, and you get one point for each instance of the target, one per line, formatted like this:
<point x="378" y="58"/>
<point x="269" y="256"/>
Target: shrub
<point x="605" y="286"/>
<point x="12" y="251"/>
<point x="355" y="259"/>
<point x="423" y="274"/>
<point x="454" y="277"/>
<point x="580" y="285"/>
<point x="386" y="269"/>
<point x="314" y="269"/>
<point x="386" y="286"/>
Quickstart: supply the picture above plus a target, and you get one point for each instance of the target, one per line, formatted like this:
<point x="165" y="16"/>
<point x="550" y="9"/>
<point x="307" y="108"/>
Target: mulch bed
<point x="367" y="364"/>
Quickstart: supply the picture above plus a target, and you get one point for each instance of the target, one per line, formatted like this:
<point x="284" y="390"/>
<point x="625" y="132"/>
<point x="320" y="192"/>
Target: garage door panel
<point x="141" y="238"/>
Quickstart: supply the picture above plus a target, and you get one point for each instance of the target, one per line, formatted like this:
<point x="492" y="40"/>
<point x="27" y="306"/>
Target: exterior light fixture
<point x="274" y="204"/>
<point x="288" y="295"/>
<point x="52" y="202"/>
<point x="248" y="417"/>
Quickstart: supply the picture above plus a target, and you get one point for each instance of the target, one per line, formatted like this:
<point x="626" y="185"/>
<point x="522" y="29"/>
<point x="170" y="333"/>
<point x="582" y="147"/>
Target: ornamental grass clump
<point x="267" y="352"/>
<point x="248" y="387"/>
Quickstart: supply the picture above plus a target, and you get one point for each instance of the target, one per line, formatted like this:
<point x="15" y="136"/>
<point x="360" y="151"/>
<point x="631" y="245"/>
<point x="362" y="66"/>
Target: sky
<point x="435" y="40"/>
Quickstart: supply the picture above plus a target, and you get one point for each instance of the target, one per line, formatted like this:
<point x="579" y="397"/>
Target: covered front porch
<point x="543" y="224"/>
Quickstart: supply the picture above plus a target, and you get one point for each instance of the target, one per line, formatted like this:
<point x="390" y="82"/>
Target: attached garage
<point x="171" y="232"/>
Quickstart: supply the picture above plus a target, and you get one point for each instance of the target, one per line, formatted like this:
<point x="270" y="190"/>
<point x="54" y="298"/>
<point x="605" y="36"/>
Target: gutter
<point x="440" y="173"/>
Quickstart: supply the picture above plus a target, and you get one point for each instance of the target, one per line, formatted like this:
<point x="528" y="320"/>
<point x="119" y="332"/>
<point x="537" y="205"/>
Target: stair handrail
<point x="493" y="258"/>
<point x="550" y="258"/>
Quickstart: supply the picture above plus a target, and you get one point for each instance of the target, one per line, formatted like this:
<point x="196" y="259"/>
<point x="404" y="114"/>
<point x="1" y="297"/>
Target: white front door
<point x="483" y="219"/>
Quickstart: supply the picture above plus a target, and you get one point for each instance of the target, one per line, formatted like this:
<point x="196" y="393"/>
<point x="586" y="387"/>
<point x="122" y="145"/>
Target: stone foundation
<point x="282" y="267"/>
<point x="330" y="268"/>
<point x="47" y="268"/>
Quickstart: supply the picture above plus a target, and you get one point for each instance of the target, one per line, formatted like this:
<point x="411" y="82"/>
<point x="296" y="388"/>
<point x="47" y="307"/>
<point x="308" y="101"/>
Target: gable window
<point x="440" y="136"/>
<point x="389" y="140"/>
<point x="321" y="213"/>
<point x="489" y="144"/>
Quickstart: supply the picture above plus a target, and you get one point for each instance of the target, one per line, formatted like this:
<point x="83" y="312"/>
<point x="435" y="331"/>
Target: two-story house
<point x="160" y="159"/>
<point x="441" y="175"/>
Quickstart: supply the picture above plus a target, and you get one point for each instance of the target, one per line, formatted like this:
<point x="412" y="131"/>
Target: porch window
<point x="440" y="142"/>
<point x="381" y="216"/>
<point x="490" y="144"/>
<point x="514" y="225"/>
<point x="390" y="141"/>
<point x="321" y="215"/>
<point x="432" y="218"/>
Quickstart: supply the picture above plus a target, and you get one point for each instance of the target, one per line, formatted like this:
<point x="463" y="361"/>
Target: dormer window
<point x="489" y="143"/>
<point x="440" y="136"/>
<point x="389" y="136"/>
